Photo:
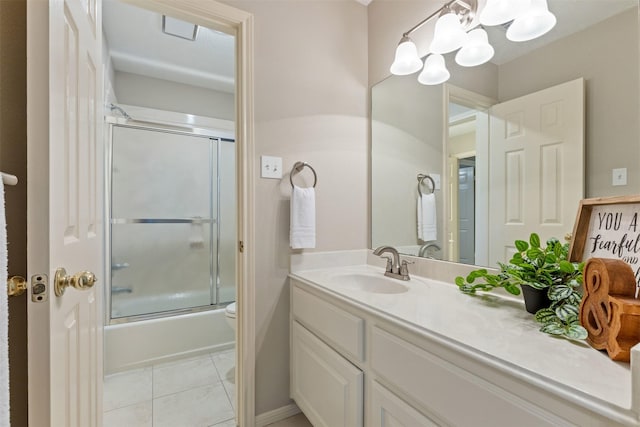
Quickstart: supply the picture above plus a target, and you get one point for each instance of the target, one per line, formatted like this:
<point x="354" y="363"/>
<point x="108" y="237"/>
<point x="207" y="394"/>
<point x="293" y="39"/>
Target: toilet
<point x="230" y="314"/>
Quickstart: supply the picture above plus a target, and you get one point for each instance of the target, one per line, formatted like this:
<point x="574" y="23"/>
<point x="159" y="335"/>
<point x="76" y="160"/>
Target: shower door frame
<point x="213" y="135"/>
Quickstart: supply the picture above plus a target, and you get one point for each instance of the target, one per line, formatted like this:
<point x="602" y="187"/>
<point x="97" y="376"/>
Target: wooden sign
<point x="608" y="228"/>
<point x="608" y="311"/>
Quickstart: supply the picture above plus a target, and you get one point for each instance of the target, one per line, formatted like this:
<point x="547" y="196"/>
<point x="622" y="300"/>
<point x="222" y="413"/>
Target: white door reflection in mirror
<point x="537" y="166"/>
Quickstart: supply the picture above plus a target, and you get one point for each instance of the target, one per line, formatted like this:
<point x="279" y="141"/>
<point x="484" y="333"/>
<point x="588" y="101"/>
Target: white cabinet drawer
<point x="326" y="386"/>
<point x="340" y="329"/>
<point x="452" y="394"/>
<point x="388" y="410"/>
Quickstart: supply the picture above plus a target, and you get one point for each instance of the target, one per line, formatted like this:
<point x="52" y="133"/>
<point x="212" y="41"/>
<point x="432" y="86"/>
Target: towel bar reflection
<point x="421" y="177"/>
<point x="297" y="167"/>
<point x="8" y="179"/>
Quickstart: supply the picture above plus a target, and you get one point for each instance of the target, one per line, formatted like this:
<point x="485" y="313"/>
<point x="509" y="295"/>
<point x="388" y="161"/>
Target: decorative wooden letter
<point x="609" y="311"/>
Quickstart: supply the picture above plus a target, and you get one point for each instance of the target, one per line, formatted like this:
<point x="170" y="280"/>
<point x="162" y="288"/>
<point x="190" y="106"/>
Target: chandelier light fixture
<point x="526" y="20"/>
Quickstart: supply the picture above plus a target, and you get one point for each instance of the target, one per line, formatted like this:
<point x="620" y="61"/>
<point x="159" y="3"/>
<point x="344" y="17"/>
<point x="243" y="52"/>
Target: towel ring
<point x="297" y="167"/>
<point x="421" y="178"/>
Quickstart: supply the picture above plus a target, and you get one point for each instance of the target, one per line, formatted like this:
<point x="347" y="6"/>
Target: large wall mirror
<point x="514" y="144"/>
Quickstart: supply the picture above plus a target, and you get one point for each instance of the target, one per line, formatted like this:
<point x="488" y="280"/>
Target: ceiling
<point x="138" y="45"/>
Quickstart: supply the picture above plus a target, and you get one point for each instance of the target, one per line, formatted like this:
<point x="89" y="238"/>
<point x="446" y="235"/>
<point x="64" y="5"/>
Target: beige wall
<point x="13" y="160"/>
<point x="310" y="105"/>
<point x="143" y="91"/>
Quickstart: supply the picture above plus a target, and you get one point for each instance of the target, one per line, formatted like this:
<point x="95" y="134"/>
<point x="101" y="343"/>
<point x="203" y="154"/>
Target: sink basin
<point x="370" y="283"/>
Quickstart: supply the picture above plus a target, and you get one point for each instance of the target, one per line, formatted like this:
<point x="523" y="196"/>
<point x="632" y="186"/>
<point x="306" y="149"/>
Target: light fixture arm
<point x="461" y="3"/>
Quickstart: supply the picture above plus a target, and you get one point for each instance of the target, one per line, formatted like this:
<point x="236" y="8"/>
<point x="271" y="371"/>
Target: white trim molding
<point x="276" y="415"/>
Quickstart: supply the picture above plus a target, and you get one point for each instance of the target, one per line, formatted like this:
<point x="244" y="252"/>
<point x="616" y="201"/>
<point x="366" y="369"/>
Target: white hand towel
<point x="303" y="218"/>
<point x="427" y="224"/>
<point x="4" y="318"/>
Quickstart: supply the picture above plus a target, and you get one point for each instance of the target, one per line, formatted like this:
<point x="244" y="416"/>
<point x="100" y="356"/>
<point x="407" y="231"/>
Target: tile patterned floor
<point x="194" y="392"/>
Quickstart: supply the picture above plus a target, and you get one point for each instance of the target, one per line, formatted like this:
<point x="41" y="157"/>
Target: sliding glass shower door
<point x="170" y="193"/>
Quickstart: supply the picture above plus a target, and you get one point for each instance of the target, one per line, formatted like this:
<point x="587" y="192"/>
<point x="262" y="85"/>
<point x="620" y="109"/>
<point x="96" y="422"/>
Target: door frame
<point x="239" y="23"/>
<point x="479" y="102"/>
<point x="207" y="13"/>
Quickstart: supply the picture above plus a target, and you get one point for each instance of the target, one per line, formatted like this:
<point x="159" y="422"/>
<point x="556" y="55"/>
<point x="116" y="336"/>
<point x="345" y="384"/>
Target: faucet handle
<point x="404" y="269"/>
<point x="389" y="262"/>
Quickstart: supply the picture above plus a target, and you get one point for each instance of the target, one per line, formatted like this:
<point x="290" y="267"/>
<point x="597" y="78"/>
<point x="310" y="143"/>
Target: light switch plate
<point x="619" y="176"/>
<point x="271" y="167"/>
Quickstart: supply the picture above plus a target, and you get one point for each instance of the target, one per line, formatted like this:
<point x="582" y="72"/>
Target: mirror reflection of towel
<point x="303" y="218"/>
<point x="427" y="224"/>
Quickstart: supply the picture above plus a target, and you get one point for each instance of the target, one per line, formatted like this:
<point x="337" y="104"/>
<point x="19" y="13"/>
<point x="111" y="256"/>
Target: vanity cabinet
<point x="388" y="410"/>
<point x="327" y="387"/>
<point x="354" y="366"/>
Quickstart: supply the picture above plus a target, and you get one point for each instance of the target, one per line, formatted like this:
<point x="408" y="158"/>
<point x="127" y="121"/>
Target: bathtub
<point x="146" y="342"/>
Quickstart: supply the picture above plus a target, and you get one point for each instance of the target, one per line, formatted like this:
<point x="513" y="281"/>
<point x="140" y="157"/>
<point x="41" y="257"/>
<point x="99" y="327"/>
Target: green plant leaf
<point x="575" y="332"/>
<point x="552" y="242"/>
<point x="476" y="274"/>
<point x="460" y="281"/>
<point x="512" y="289"/>
<point x="468" y="289"/>
<point x="546" y="315"/>
<point x="553" y="329"/>
<point x="557" y="250"/>
<point x="521" y="245"/>
<point x="575" y="298"/>
<point x="567" y="312"/>
<point x="534" y="239"/>
<point x="566" y="267"/>
<point x="534" y="253"/>
<point x="559" y="292"/>
<point x="537" y="285"/>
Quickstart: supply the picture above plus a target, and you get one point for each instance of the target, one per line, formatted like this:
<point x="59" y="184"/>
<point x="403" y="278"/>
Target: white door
<point x="65" y="210"/>
<point x="536" y="162"/>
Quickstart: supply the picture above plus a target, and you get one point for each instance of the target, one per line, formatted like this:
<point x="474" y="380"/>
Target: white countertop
<point x="495" y="328"/>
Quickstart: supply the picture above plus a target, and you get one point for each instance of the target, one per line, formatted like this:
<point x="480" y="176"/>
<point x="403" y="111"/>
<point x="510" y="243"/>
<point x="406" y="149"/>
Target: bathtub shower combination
<point x="172" y="244"/>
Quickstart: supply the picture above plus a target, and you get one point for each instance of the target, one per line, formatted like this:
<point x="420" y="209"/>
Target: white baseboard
<point x="276" y="415"/>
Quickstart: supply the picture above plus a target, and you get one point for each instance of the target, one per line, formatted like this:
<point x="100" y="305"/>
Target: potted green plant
<point x="545" y="269"/>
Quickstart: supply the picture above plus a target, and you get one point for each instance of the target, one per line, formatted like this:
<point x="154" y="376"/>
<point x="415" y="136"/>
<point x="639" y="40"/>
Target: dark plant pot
<point x="535" y="299"/>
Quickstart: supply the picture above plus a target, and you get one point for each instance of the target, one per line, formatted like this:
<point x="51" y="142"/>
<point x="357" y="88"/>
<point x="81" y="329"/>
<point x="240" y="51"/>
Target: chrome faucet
<point x="394" y="269"/>
<point x="424" y="248"/>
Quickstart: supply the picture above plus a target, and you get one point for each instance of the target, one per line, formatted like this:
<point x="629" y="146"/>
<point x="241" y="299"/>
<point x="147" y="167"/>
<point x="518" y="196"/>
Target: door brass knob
<point x="80" y="281"/>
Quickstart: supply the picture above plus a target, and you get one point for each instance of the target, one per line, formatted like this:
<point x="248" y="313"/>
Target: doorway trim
<point x="239" y="23"/>
<point x="482" y="104"/>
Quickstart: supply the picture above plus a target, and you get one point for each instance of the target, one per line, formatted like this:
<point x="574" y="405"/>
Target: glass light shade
<point x="434" y="71"/>
<point x="407" y="60"/>
<point x="532" y="23"/>
<point x="448" y="35"/>
<point x="497" y="12"/>
<point x="476" y="50"/>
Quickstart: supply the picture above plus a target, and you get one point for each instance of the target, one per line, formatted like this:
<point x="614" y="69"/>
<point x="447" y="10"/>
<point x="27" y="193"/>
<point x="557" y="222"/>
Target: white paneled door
<point x="536" y="161"/>
<point x="65" y="213"/>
